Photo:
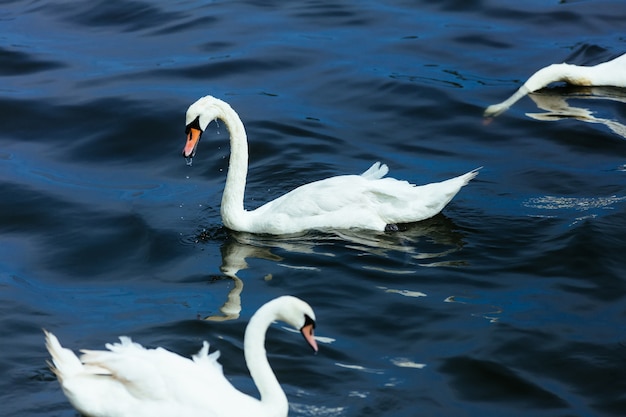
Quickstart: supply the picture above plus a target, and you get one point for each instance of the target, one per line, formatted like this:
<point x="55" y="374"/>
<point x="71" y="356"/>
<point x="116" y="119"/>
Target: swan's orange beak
<point x="193" y="137"/>
<point x="307" y="332"/>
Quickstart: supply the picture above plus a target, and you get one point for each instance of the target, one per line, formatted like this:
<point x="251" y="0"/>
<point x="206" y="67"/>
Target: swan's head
<point x="298" y="314"/>
<point x="198" y="117"/>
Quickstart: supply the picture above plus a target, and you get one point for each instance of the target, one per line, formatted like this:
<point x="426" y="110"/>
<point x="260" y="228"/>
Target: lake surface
<point x="511" y="302"/>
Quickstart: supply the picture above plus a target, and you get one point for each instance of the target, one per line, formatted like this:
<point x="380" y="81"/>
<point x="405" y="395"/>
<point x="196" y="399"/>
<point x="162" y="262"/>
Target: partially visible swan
<point x="131" y="381"/>
<point x="610" y="73"/>
<point x="366" y="201"/>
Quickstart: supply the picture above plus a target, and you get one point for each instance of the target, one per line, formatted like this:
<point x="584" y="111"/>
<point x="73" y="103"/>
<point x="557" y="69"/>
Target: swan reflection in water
<point x="234" y="260"/>
<point x="555" y="102"/>
<point x="606" y="74"/>
<point x="431" y="242"/>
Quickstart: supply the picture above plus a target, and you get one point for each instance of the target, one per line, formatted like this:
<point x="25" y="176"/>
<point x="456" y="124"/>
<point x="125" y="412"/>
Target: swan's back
<point x="368" y="201"/>
<point x="130" y="380"/>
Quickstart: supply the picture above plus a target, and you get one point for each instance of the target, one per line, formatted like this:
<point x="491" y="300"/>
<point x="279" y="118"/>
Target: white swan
<point x="366" y="201"/>
<point x="610" y="73"/>
<point x="131" y="381"/>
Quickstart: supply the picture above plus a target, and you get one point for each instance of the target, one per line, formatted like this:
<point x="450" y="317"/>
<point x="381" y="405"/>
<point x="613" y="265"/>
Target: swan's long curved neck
<point x="272" y="395"/>
<point x="572" y="74"/>
<point x="232" y="209"/>
<point x="610" y="73"/>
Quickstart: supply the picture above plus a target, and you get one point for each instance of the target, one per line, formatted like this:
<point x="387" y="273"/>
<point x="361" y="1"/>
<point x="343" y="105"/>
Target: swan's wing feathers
<point x="429" y="199"/>
<point x="402" y="202"/>
<point x="376" y="171"/>
<point x="205" y="359"/>
<point x="368" y="201"/>
<point x="125" y="343"/>
<point x="203" y="353"/>
<point x="128" y="379"/>
<point x="131" y="365"/>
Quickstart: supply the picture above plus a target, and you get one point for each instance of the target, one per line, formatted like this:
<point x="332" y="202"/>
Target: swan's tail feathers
<point x="450" y="187"/>
<point x="470" y="175"/>
<point x="376" y="171"/>
<point x="64" y="362"/>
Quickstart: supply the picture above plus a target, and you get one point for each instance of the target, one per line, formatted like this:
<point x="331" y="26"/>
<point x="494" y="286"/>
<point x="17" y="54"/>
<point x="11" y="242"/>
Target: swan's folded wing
<point x="130" y="365"/>
<point x="208" y="361"/>
<point x="325" y="196"/>
<point x="403" y="202"/>
<point x="161" y="374"/>
<point x="356" y="201"/>
<point x="376" y="171"/>
<point x="321" y="197"/>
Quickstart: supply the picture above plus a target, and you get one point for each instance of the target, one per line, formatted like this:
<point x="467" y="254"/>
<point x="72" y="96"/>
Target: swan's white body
<point x="610" y="73"/>
<point x="366" y="201"/>
<point x="131" y="381"/>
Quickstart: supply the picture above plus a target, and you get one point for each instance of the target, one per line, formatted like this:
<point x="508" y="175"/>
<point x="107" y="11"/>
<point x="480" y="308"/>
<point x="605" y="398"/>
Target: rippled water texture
<point x="509" y="303"/>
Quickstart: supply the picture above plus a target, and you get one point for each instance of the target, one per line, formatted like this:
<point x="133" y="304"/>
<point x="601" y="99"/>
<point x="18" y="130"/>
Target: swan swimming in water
<point x="131" y="381"/>
<point x="610" y="73"/>
<point x="366" y="201"/>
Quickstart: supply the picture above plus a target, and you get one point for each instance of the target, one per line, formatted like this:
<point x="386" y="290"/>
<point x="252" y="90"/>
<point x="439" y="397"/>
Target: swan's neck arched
<point x="232" y="208"/>
<point x="545" y="76"/>
<point x="611" y="73"/>
<point x="272" y="395"/>
<point x="571" y="74"/>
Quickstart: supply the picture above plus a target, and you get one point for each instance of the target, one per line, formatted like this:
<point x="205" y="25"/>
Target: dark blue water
<point x="509" y="303"/>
